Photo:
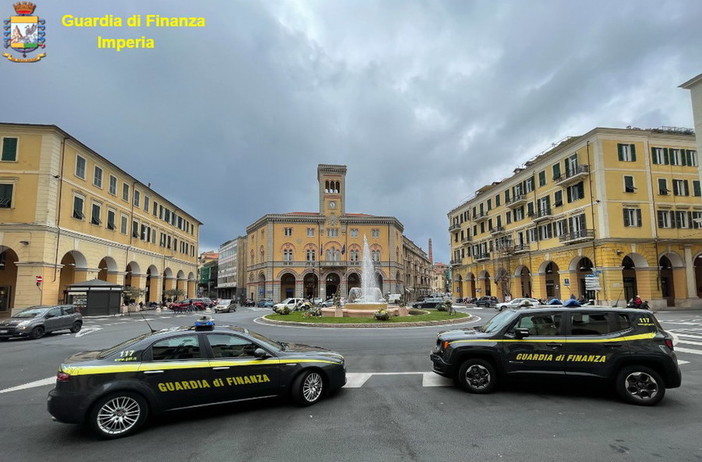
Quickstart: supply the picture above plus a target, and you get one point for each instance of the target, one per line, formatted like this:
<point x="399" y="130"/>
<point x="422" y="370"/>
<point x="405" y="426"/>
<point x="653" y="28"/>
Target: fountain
<point x="363" y="301"/>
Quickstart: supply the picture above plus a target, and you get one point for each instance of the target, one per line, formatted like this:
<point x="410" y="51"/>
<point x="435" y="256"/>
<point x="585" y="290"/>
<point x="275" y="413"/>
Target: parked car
<point x="36" y="321"/>
<point x="486" y="301"/>
<point x="265" y="303"/>
<point x="225" y="305"/>
<point x="188" y="304"/>
<point x="208" y="302"/>
<point x="432" y="302"/>
<point x="291" y="303"/>
<point x="249" y="302"/>
<point x="516" y="303"/>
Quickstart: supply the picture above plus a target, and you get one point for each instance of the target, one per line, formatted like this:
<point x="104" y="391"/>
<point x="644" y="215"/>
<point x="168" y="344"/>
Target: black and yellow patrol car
<point x="625" y="346"/>
<point x="114" y="390"/>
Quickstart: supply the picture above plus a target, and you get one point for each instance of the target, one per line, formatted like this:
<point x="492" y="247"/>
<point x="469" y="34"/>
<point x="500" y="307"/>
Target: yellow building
<point x="317" y="254"/>
<point x="606" y="215"/>
<point x="69" y="215"/>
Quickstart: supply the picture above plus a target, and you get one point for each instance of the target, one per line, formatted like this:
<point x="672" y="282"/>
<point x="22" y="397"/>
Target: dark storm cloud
<point x="423" y="101"/>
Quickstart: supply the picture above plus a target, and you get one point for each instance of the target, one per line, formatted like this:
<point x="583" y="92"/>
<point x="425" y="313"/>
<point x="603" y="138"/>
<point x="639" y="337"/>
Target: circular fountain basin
<point x="360" y="310"/>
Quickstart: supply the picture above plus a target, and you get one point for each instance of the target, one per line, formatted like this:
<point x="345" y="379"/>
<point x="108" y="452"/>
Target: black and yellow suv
<point x="113" y="391"/>
<point x="627" y="347"/>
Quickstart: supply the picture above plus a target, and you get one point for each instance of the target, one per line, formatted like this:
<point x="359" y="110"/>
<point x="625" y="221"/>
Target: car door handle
<point x="220" y="368"/>
<point x="554" y="345"/>
<point x="153" y="372"/>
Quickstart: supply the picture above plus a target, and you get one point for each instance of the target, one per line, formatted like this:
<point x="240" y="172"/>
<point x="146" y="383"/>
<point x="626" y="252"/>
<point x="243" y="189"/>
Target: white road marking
<point x="87" y="330"/>
<point x="689" y="342"/>
<point x="688" y="350"/>
<point x="37" y="383"/>
<point x="681" y="362"/>
<point x="429" y="379"/>
<point x="696" y="337"/>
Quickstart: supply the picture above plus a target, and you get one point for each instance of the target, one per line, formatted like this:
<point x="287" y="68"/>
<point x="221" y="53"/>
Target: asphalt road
<point x="393" y="408"/>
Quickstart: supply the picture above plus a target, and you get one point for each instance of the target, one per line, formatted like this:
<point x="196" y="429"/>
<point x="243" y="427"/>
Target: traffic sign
<point x="39" y="279"/>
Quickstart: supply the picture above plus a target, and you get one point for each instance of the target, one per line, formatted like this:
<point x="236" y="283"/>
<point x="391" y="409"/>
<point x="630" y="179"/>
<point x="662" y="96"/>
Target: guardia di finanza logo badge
<point x="24" y="33"/>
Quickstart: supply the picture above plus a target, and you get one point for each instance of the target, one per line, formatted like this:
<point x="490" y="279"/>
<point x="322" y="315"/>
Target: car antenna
<point x="147" y="323"/>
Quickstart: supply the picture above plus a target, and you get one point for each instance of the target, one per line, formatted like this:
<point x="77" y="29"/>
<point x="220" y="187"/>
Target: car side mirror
<point x="521" y="332"/>
<point x="260" y="353"/>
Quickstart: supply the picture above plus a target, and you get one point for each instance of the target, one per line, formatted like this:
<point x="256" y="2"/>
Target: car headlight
<point x="23" y="324"/>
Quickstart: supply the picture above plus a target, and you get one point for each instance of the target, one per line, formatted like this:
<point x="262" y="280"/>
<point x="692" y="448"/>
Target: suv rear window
<point x="598" y="323"/>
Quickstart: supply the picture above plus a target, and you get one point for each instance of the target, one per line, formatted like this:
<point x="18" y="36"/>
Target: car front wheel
<point x="640" y="385"/>
<point x="76" y="326"/>
<point x="308" y="388"/>
<point x="118" y="415"/>
<point x="37" y="332"/>
<point x="477" y="376"/>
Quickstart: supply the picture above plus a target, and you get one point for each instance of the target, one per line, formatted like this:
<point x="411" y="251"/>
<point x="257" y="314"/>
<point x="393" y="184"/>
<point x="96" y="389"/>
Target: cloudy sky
<point x="424" y="101"/>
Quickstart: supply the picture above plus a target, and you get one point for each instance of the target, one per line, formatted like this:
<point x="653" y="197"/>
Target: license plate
<point x="3" y="331"/>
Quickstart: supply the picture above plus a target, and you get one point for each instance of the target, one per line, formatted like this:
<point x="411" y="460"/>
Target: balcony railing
<point x="481" y="256"/>
<point x="516" y="200"/>
<point x="466" y="239"/>
<point x="497" y="230"/>
<point x="573" y="176"/>
<point x="455" y="262"/>
<point x="577" y="236"/>
<point x="454" y="227"/>
<point x="543" y="214"/>
<point x="519" y="248"/>
<point x="480" y="216"/>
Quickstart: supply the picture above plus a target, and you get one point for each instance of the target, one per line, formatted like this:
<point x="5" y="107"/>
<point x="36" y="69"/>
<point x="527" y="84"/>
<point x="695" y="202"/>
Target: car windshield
<point x="31" y="312"/>
<point x="264" y="339"/>
<point x="497" y="322"/>
<point x="122" y="346"/>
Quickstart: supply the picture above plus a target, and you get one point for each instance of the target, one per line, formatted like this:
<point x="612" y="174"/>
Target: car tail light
<point x="669" y="343"/>
<point x="63" y="377"/>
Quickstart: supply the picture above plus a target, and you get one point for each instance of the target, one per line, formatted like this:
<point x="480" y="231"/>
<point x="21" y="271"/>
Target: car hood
<point x="13" y="321"/>
<point x="300" y="348"/>
<point x="464" y="334"/>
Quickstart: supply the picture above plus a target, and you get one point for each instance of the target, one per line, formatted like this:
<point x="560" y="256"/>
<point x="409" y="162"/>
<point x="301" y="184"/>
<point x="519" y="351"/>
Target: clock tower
<point x="332" y="189"/>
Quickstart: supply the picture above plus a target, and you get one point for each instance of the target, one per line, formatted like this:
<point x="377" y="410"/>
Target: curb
<point x="389" y="325"/>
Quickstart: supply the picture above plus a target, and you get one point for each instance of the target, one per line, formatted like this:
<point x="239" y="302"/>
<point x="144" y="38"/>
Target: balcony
<point x="577" y="236"/>
<point x="543" y="215"/>
<point x="466" y="239"/>
<point x="454" y="227"/>
<point x="516" y="201"/>
<point x="497" y="230"/>
<point x="573" y="176"/>
<point x="455" y="262"/>
<point x="520" y="248"/>
<point x="480" y="216"/>
<point x="481" y="256"/>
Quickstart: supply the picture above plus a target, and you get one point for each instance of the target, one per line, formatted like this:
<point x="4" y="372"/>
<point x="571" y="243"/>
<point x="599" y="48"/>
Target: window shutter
<point x="654" y="158"/>
<point x="620" y="151"/>
<point x="626" y="217"/>
<point x="9" y="149"/>
<point x="696" y="188"/>
<point x="666" y="157"/>
<point x="638" y="217"/>
<point x="632" y="147"/>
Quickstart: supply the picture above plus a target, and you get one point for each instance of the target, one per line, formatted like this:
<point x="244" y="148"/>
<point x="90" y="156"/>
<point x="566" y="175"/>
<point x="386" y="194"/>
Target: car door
<point x="539" y="352"/>
<point x="237" y="372"/>
<point x="177" y="371"/>
<point x="53" y="319"/>
<point x="596" y="341"/>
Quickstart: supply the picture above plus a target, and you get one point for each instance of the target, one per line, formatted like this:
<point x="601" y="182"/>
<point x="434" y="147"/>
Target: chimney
<point x="431" y="258"/>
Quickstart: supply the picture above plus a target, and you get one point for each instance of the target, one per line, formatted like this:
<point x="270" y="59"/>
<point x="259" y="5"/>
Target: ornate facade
<point x="317" y="254"/>
<point x="606" y="215"/>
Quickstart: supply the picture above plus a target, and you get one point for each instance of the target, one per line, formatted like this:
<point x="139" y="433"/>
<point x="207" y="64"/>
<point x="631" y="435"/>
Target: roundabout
<point x="427" y="318"/>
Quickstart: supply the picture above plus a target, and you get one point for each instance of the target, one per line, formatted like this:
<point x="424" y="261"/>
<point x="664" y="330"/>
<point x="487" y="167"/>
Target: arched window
<point x="311" y="255"/>
<point x="287" y="255"/>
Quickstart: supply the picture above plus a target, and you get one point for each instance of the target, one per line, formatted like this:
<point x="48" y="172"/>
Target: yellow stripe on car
<point x="571" y="339"/>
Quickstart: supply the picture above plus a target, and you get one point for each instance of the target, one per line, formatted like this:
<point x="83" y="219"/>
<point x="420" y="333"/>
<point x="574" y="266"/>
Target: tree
<point x="174" y="294"/>
<point x="132" y="293"/>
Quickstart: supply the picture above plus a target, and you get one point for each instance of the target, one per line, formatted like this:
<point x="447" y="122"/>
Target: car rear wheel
<point x="640" y="385"/>
<point x="37" y="332"/>
<point x="76" y="326"/>
<point x="118" y="415"/>
<point x="477" y="376"/>
<point x="308" y="388"/>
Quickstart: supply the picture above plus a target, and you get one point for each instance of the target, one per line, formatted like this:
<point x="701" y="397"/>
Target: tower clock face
<point x="332" y="204"/>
